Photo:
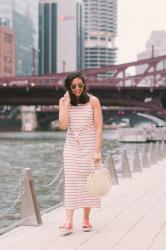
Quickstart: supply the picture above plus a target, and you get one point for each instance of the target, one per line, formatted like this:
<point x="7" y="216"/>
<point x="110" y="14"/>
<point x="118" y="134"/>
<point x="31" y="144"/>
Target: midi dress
<point x="78" y="154"/>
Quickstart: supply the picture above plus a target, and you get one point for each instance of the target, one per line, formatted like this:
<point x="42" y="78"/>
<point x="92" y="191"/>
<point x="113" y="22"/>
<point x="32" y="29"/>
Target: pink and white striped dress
<point x="78" y="152"/>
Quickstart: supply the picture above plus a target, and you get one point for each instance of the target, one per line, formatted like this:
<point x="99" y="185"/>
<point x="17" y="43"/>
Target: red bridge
<point x="112" y="84"/>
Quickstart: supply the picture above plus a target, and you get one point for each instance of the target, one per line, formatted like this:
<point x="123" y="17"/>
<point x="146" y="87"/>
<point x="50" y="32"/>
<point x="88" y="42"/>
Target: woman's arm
<point x="98" y="121"/>
<point x="64" y="111"/>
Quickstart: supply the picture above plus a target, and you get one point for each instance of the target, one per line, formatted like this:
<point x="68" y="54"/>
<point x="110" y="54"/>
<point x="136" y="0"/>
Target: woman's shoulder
<point x="93" y="99"/>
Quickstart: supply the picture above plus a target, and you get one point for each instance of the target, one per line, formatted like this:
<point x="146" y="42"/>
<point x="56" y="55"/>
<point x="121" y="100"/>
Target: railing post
<point x="160" y="156"/>
<point x="163" y="149"/>
<point x="29" y="203"/>
<point x="157" y="151"/>
<point x="152" y="154"/>
<point x="111" y="167"/>
<point x="136" y="162"/>
<point x="125" y="165"/>
<point x="145" y="158"/>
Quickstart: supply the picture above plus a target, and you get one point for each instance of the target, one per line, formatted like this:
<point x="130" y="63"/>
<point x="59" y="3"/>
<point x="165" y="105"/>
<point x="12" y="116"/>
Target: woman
<point x="80" y="113"/>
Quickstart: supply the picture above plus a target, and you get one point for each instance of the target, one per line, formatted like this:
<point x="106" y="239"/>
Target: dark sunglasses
<point x="79" y="85"/>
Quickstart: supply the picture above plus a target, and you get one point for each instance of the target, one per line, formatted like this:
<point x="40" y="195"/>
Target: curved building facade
<point x="100" y="32"/>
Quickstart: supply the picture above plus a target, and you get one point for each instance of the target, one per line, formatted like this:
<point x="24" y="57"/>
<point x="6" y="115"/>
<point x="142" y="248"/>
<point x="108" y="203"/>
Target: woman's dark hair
<point x="84" y="97"/>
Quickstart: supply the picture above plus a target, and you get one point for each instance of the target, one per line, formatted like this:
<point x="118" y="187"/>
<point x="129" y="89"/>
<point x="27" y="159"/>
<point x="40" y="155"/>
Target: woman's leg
<point x="86" y="211"/>
<point x="87" y="227"/>
<point x="67" y="228"/>
<point x="69" y="215"/>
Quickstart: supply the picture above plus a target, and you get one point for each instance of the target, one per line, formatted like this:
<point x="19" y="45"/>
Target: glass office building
<point x="61" y="36"/>
<point x="47" y="37"/>
<point x="100" y="32"/>
<point x="23" y="19"/>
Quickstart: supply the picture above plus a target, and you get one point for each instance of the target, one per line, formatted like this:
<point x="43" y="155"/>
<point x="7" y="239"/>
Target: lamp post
<point x="33" y="61"/>
<point x="63" y="66"/>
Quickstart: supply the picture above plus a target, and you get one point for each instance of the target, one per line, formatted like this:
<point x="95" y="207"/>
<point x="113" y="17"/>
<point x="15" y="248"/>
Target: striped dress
<point x="78" y="152"/>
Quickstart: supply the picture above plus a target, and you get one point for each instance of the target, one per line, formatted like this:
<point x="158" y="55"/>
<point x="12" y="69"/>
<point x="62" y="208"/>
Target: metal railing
<point x="28" y="201"/>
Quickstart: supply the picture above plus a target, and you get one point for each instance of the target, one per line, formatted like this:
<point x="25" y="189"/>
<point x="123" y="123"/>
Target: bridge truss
<point x="114" y="85"/>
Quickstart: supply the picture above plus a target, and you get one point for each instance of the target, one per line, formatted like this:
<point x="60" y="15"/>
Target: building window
<point x="7" y="38"/>
<point x="7" y="69"/>
<point x="7" y="59"/>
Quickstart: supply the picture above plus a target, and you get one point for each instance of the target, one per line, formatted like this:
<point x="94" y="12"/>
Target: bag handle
<point x="96" y="167"/>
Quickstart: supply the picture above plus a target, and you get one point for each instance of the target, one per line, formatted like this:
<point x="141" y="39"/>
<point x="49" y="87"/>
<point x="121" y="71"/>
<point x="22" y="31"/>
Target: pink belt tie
<point x="77" y="134"/>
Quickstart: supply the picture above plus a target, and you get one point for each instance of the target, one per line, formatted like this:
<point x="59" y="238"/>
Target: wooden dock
<point x="132" y="217"/>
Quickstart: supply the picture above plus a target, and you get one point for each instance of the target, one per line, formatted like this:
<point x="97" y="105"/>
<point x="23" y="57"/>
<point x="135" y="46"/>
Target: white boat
<point x="145" y="132"/>
<point x="142" y="134"/>
<point x="132" y="135"/>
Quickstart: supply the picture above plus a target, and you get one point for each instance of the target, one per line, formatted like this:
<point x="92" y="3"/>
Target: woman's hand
<point x="66" y="98"/>
<point x="96" y="158"/>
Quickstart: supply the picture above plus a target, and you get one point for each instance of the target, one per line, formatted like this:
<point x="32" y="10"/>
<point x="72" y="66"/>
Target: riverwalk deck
<point x="132" y="217"/>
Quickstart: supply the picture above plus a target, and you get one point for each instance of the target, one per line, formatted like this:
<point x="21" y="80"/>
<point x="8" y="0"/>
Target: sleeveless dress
<point x="78" y="153"/>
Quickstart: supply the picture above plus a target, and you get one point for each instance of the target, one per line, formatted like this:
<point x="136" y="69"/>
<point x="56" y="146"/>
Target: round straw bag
<point x="99" y="181"/>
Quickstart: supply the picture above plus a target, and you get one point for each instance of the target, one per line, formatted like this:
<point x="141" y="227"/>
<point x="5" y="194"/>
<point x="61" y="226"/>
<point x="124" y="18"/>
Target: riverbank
<point x="43" y="153"/>
<point x="132" y="217"/>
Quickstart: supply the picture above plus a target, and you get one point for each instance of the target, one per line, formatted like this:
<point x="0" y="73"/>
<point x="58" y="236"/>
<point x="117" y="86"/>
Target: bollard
<point x="152" y="154"/>
<point x="111" y="167"/>
<point x="160" y="151"/>
<point x="145" y="159"/>
<point x="157" y="151"/>
<point x="163" y="149"/>
<point x="136" y="162"/>
<point x="147" y="148"/>
<point x="29" y="203"/>
<point x="125" y="165"/>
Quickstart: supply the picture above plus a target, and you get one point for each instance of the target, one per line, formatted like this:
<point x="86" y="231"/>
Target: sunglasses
<point x="79" y="85"/>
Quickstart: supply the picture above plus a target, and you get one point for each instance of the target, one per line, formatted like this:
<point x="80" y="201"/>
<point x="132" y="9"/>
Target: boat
<point x="145" y="132"/>
<point x="132" y="135"/>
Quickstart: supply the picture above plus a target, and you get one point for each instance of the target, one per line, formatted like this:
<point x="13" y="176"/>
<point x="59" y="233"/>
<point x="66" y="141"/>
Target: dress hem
<point x="82" y="207"/>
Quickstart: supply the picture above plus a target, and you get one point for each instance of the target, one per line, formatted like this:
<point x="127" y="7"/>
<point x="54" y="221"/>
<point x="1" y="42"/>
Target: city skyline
<point x="136" y="21"/>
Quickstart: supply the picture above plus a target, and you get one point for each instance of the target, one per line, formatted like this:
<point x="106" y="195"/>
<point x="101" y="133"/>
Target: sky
<point x="136" y="20"/>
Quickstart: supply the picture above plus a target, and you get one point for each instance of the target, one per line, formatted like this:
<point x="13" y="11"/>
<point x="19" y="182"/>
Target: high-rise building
<point x="23" y="19"/>
<point x="47" y="37"/>
<point x="155" y="46"/>
<point x="100" y="32"/>
<point x="7" y="51"/>
<point x="61" y="36"/>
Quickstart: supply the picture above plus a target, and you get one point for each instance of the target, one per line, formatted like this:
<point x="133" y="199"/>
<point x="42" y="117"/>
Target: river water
<point x="42" y="152"/>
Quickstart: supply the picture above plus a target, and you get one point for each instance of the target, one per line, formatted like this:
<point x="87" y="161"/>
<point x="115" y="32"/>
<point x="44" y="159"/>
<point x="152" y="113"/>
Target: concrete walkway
<point x="133" y="217"/>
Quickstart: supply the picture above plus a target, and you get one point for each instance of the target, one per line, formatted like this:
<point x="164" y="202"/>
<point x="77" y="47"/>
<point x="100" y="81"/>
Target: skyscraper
<point x="23" y="19"/>
<point x="7" y="50"/>
<point x="47" y="37"/>
<point x="100" y="32"/>
<point x="61" y="36"/>
<point x="155" y="46"/>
